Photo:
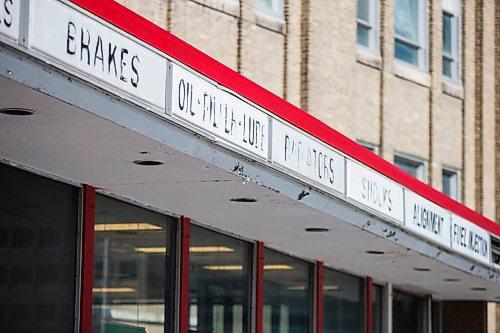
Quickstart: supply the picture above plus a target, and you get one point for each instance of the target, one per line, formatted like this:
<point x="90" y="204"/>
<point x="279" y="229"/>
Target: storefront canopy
<point x="124" y="106"/>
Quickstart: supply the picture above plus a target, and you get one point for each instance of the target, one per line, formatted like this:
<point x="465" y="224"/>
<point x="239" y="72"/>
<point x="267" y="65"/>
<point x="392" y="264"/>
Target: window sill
<point x="367" y="58"/>
<point x="453" y="89"/>
<point x="229" y="7"/>
<point x="270" y="22"/>
<point x="412" y="74"/>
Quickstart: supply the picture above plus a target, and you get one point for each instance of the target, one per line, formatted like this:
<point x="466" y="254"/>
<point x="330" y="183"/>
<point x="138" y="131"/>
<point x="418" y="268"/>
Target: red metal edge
<point x="148" y="32"/>
<point x="369" y="304"/>
<point x="88" y="214"/>
<point x="259" y="287"/>
<point x="320" y="277"/>
<point x="184" y="275"/>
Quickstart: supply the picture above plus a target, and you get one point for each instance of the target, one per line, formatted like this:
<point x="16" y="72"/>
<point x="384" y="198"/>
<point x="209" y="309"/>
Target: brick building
<point x="417" y="82"/>
<point x="438" y="115"/>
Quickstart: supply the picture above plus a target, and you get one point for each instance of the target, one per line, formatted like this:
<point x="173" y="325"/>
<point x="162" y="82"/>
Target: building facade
<point x="150" y="188"/>
<point x="414" y="81"/>
<point x="420" y="86"/>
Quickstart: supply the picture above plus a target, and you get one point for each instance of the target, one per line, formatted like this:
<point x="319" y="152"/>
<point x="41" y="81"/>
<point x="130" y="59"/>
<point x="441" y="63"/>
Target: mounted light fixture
<point x="138" y="226"/>
<point x="478" y="289"/>
<point x="277" y="267"/>
<point x="224" y="268"/>
<point x="152" y="250"/>
<point x="210" y="249"/>
<point x="17" y="112"/>
<point x="113" y="290"/>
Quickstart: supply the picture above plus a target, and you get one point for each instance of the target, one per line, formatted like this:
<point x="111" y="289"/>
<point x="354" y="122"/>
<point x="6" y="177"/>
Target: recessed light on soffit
<point x="17" y="112"/>
<point x="244" y="199"/>
<point x="148" y="162"/>
<point x="451" y="280"/>
<point x="421" y="269"/>
<point x="374" y="252"/>
<point x="315" y="229"/>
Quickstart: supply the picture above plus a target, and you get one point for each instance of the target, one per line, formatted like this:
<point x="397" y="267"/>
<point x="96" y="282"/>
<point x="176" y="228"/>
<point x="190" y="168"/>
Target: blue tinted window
<point x="287" y="294"/>
<point x="343" y="303"/>
<point x="407" y="53"/>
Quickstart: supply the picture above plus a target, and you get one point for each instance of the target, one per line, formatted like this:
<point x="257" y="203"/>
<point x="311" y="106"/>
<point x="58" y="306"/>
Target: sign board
<point x="470" y="240"/>
<point x="98" y="51"/>
<point x="307" y="157"/>
<point x="218" y="112"/>
<point x="373" y="190"/>
<point x="9" y="18"/>
<point x="427" y="219"/>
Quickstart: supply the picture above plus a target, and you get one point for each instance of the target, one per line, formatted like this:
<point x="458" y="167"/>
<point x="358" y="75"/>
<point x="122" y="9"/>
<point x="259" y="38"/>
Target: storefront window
<point x="377" y="296"/>
<point x="407" y="313"/>
<point x="436" y="319"/>
<point x="38" y="242"/>
<point x="219" y="283"/>
<point x="133" y="269"/>
<point x="287" y="294"/>
<point x="343" y="303"/>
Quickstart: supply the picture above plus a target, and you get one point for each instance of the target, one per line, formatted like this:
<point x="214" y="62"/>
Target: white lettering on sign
<point x="374" y="190"/>
<point x="218" y="112"/>
<point x="307" y="157"/>
<point x="9" y="18"/>
<point x="427" y="219"/>
<point x="470" y="240"/>
<point x="96" y="50"/>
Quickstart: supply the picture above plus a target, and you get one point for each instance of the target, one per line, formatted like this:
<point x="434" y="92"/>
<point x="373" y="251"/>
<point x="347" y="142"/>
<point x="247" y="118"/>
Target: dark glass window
<point x="413" y="167"/>
<point x="343" y="303"/>
<point x="408" y="313"/>
<point x="133" y="269"/>
<point x="377" y="297"/>
<point x="287" y="294"/>
<point x="38" y="228"/>
<point x="436" y="317"/>
<point x="219" y="283"/>
<point x="451" y="183"/>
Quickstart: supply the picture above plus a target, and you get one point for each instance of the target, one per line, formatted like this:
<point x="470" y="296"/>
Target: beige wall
<point x="311" y="53"/>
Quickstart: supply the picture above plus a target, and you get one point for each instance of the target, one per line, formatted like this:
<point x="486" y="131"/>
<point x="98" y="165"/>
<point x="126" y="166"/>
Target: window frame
<point x="419" y="163"/>
<point x="374" y="148"/>
<point x="373" y="25"/>
<point x="455" y="173"/>
<point x="422" y="45"/>
<point x="452" y="9"/>
<point x="279" y="13"/>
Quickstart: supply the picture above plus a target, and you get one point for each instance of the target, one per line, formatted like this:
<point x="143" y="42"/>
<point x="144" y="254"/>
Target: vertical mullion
<point x="88" y="214"/>
<point x="259" y="287"/>
<point x="184" y="275"/>
<point x="319" y="296"/>
<point x="369" y="304"/>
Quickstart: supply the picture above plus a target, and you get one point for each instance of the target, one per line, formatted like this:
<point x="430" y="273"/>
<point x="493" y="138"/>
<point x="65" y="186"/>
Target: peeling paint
<point x="391" y="234"/>
<point x="302" y="195"/>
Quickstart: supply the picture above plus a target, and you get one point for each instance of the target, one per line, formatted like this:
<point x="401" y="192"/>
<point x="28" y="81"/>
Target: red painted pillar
<point x="88" y="212"/>
<point x="259" y="288"/>
<point x="369" y="304"/>
<point x="320" y="277"/>
<point x="184" y="275"/>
